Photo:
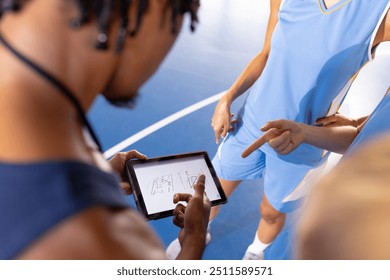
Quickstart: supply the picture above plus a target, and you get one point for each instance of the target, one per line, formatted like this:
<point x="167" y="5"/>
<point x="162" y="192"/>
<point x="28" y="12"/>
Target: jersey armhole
<point x="371" y="51"/>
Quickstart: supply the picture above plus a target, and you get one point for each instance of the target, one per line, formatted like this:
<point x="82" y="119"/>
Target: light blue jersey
<point x="315" y="55"/>
<point x="377" y="124"/>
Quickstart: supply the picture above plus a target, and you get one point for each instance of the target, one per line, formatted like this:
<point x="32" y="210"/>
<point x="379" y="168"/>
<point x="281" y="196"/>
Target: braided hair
<point x="104" y="10"/>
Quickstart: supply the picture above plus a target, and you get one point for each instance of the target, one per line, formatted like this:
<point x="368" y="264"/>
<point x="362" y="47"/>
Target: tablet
<point x="156" y="180"/>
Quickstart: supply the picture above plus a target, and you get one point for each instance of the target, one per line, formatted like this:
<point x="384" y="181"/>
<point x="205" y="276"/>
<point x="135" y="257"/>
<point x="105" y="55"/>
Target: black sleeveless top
<point x="36" y="197"/>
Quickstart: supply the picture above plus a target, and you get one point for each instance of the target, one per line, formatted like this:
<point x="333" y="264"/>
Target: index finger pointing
<point x="199" y="188"/>
<point x="254" y="146"/>
<point x="200" y="185"/>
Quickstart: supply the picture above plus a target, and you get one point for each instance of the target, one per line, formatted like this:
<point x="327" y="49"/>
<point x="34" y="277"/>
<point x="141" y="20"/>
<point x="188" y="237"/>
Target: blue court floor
<point x="174" y="113"/>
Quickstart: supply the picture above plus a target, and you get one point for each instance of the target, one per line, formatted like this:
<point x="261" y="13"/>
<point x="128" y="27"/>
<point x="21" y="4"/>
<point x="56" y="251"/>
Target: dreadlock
<point x="182" y="7"/>
<point x="104" y="10"/>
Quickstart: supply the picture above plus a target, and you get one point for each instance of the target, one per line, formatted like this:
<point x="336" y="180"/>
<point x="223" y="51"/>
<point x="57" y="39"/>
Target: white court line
<point x="160" y="124"/>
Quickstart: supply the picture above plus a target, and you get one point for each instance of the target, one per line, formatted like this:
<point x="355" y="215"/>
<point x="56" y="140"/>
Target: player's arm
<point x="383" y="33"/>
<point x="386" y="36"/>
<point x="254" y="69"/>
<point x="285" y="136"/>
<point x="334" y="139"/>
<point x="222" y="117"/>
<point x="362" y="121"/>
<point x="361" y="125"/>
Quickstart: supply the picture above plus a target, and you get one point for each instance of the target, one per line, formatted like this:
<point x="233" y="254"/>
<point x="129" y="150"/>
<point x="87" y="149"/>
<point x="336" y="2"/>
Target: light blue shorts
<point x="285" y="183"/>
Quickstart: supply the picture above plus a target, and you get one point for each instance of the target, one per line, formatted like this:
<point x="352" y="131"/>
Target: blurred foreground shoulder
<point x="99" y="233"/>
<point x="346" y="216"/>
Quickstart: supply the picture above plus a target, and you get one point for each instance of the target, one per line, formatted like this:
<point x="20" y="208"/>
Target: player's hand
<point x="337" y="120"/>
<point x="222" y="121"/>
<point x="118" y="164"/>
<point x="193" y="218"/>
<point x="283" y="136"/>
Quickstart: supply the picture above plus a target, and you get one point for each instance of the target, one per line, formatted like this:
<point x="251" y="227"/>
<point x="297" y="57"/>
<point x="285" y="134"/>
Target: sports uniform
<point x="316" y="53"/>
<point x="378" y="123"/>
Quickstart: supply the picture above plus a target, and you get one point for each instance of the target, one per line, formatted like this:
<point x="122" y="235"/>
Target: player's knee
<point x="269" y="214"/>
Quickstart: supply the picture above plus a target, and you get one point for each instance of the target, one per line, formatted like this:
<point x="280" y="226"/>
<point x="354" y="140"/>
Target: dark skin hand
<point x="118" y="164"/>
<point x="192" y="225"/>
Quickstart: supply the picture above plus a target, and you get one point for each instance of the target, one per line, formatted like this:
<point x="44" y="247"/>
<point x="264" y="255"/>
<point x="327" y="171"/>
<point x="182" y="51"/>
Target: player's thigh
<point x="229" y="186"/>
<point x="229" y="164"/>
<point x="286" y="183"/>
<point x="268" y="212"/>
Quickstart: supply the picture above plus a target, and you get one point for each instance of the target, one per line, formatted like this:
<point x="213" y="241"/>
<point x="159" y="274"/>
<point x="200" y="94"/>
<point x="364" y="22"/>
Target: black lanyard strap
<point x="56" y="83"/>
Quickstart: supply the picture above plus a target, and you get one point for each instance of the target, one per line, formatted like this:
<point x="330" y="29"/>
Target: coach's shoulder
<point x="98" y="233"/>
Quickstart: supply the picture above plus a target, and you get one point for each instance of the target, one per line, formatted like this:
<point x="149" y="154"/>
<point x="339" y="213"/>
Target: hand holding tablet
<point x="155" y="181"/>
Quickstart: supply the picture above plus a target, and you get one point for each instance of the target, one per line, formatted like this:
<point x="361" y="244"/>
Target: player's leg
<point x="228" y="187"/>
<point x="285" y="184"/>
<point x="270" y="225"/>
<point x="271" y="222"/>
<point x="231" y="168"/>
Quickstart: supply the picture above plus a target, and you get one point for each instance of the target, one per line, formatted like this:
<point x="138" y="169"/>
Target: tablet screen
<point x="156" y="180"/>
